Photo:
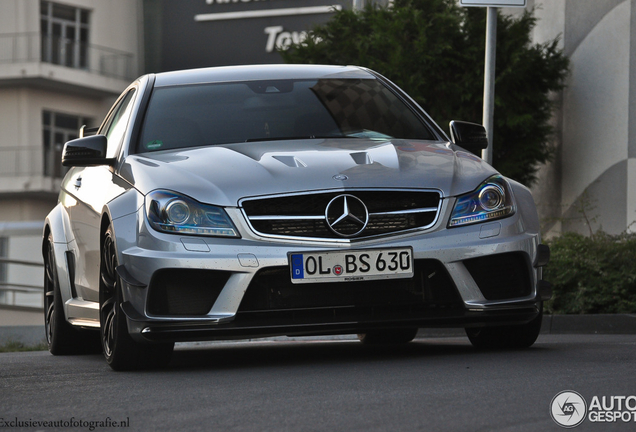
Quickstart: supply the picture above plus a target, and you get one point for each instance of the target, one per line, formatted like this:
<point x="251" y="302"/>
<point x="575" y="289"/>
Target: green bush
<point x="434" y="50"/>
<point x="594" y="274"/>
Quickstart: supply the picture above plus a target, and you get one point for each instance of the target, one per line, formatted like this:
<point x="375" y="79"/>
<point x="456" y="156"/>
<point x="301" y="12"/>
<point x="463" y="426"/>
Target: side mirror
<point x="86" y="151"/>
<point x="470" y="136"/>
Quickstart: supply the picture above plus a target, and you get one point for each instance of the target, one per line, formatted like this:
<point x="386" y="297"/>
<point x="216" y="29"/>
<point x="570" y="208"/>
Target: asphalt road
<point x="428" y="385"/>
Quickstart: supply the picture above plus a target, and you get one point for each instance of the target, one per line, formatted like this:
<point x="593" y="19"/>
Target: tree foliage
<point x="434" y="50"/>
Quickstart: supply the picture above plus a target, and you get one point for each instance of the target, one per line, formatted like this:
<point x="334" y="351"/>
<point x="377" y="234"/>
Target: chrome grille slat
<point x="424" y="210"/>
<point x="280" y="217"/>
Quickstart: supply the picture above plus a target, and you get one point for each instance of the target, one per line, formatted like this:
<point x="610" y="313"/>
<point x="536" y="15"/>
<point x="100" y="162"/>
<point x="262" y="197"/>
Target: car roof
<point x="259" y="72"/>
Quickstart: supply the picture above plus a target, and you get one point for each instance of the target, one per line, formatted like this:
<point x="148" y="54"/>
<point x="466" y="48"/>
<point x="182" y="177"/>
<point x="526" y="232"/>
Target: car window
<point x="116" y="124"/>
<point x="209" y="114"/>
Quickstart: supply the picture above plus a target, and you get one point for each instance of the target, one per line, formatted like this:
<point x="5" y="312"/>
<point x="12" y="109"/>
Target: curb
<point x="552" y="324"/>
<point x="562" y="324"/>
<point x="589" y="324"/>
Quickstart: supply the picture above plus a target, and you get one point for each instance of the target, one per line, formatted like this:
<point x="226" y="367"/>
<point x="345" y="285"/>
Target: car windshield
<point x="209" y="114"/>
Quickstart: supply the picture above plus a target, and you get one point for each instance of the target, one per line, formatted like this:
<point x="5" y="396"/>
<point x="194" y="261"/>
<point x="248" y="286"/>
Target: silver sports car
<point x="258" y="201"/>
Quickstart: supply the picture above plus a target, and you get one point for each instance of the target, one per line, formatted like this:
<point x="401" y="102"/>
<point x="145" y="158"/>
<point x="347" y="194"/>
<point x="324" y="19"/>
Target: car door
<point x="93" y="187"/>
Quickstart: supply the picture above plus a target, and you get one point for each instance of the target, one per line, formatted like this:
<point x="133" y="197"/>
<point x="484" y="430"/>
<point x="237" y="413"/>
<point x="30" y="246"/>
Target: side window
<point x="117" y="123"/>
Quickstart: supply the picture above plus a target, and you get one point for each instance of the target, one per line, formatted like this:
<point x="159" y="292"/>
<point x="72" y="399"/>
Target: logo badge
<point x="346" y="215"/>
<point x="568" y="409"/>
<point x="340" y="177"/>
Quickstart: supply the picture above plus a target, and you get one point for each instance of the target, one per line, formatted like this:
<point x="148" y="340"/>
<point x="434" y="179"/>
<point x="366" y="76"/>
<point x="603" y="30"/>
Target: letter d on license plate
<point x="349" y="266"/>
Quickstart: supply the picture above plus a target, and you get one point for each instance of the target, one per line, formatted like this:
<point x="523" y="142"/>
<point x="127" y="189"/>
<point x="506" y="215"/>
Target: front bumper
<point x="287" y="323"/>
<point x="244" y="290"/>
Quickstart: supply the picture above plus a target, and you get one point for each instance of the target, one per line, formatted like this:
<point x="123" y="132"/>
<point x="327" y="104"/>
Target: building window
<point x="57" y="129"/>
<point x="64" y="35"/>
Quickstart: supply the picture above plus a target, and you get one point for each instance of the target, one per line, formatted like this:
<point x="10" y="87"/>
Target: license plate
<point x="349" y="266"/>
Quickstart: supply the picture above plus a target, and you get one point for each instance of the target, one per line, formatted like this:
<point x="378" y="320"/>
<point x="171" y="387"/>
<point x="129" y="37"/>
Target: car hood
<point x="224" y="174"/>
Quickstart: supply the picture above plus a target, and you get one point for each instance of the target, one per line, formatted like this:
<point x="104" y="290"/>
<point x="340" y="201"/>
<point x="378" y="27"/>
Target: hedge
<point x="591" y="275"/>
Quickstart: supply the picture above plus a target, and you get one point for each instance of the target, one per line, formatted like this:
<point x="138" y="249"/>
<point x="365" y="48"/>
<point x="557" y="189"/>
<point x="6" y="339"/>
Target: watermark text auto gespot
<point x="612" y="409"/>
<point x="569" y="409"/>
<point x="91" y="425"/>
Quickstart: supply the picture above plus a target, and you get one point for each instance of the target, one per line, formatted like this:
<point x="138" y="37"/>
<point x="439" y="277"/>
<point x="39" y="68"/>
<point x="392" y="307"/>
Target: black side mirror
<point x="470" y="136"/>
<point x="87" y="151"/>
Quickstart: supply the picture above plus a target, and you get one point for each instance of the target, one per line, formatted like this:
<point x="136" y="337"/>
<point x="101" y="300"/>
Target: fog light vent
<point x="176" y="292"/>
<point x="502" y="276"/>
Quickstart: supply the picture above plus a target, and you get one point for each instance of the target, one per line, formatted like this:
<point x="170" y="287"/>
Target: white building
<point x="593" y="176"/>
<point x="61" y="66"/>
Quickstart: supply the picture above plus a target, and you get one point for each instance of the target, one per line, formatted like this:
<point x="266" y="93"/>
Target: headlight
<point x="491" y="200"/>
<point x="173" y="213"/>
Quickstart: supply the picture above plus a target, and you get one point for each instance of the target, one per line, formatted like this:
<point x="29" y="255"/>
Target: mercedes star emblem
<point x="346" y="215"/>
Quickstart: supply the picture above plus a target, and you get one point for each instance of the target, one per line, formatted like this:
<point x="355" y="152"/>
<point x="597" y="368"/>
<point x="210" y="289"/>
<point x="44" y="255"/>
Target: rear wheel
<point x="61" y="337"/>
<point x="388" y="336"/>
<point x="507" y="337"/>
<point x="120" y="350"/>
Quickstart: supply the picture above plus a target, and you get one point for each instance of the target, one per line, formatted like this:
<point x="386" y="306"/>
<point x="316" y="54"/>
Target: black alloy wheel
<point x="61" y="337"/>
<point x="120" y="350"/>
<point x="507" y="337"/>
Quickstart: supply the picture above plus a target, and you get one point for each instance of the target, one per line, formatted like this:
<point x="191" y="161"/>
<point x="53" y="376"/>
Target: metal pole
<point x="489" y="80"/>
<point x="358" y="5"/>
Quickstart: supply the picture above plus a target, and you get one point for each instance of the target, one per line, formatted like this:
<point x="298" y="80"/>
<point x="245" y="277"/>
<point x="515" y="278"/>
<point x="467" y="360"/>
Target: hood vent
<point x="291" y="161"/>
<point x="362" y="158"/>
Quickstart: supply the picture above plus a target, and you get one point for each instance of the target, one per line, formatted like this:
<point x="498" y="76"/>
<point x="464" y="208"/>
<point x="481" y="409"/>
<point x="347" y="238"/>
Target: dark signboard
<point x="182" y="34"/>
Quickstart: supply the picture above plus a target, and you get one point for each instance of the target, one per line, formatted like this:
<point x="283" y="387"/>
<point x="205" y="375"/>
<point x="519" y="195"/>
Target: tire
<point x="61" y="337"/>
<point x="120" y="350"/>
<point x="388" y="337"/>
<point x="507" y="337"/>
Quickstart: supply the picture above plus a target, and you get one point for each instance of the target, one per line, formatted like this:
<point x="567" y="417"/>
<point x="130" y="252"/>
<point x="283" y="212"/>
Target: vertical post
<point x="489" y="80"/>
<point x="358" y="5"/>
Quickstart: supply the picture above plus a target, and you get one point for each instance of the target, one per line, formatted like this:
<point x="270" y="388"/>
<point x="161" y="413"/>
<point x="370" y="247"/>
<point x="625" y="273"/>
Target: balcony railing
<point x="17" y="294"/>
<point x="21" y="161"/>
<point x="20" y="280"/>
<point x="35" y="47"/>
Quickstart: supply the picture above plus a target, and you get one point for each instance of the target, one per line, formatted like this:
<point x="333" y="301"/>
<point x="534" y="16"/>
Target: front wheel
<point x="507" y="337"/>
<point x="120" y="350"/>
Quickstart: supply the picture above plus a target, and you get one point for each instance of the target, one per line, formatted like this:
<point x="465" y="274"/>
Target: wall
<point x="20" y="16"/>
<point x="591" y="184"/>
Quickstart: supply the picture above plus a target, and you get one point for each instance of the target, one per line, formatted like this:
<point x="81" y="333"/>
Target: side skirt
<point x="83" y="313"/>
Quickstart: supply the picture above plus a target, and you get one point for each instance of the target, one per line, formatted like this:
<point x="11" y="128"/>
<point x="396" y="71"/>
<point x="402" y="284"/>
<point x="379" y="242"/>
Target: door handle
<point x="78" y="183"/>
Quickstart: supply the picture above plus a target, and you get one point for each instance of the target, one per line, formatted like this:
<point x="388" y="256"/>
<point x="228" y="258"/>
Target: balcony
<point x="40" y="57"/>
<point x="17" y="161"/>
<point x="21" y="270"/>
<point x="27" y="169"/>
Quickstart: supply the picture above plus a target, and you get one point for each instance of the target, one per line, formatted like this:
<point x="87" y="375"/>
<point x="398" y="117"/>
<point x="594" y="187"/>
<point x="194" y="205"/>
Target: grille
<point x="431" y="287"/>
<point x="389" y="211"/>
